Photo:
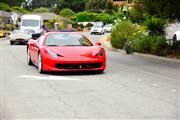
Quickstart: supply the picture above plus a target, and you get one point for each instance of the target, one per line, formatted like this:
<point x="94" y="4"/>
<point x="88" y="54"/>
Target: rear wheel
<point x="40" y="70"/>
<point x="29" y="58"/>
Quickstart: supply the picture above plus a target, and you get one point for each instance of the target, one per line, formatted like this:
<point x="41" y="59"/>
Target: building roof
<point x="5" y="14"/>
<point x="48" y="16"/>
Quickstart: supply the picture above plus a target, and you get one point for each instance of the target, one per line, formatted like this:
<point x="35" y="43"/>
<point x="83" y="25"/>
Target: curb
<point x="158" y="57"/>
<point x="107" y="45"/>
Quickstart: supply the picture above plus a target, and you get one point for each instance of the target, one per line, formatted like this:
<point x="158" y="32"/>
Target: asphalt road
<point x="131" y="88"/>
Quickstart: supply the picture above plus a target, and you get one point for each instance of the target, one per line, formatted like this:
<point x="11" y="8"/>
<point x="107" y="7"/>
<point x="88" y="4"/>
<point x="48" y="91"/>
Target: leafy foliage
<point x="161" y="8"/>
<point x="75" y="5"/>
<point x="151" y="44"/>
<point x="19" y="9"/>
<point x="5" y="7"/>
<point x="99" y="5"/>
<point x="41" y="10"/>
<point x="124" y="31"/>
<point x="42" y="3"/>
<point x="93" y="17"/>
<point x="156" y="25"/>
<point x="13" y="2"/>
<point x="66" y="12"/>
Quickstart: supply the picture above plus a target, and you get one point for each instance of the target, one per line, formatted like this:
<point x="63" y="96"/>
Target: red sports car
<point x="56" y="51"/>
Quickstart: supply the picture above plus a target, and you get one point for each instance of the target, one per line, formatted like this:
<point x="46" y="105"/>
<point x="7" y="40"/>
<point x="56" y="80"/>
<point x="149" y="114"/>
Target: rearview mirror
<point x="35" y="36"/>
<point x="98" y="43"/>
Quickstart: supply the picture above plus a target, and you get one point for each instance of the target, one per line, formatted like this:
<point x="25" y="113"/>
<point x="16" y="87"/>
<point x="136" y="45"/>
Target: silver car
<point x="18" y="36"/>
<point x="97" y="29"/>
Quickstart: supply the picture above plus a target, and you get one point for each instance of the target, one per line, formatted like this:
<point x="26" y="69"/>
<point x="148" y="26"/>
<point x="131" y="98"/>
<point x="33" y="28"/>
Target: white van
<point x="31" y="23"/>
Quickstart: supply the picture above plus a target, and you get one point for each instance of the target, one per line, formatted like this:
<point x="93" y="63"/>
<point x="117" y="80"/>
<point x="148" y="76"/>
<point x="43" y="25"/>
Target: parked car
<point x="108" y="28"/>
<point x="58" y="51"/>
<point x="2" y="34"/>
<point x="19" y="36"/>
<point x="97" y="29"/>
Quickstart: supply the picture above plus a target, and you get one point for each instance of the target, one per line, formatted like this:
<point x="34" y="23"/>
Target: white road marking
<point x="155" y="84"/>
<point x="139" y="80"/>
<point x="173" y="90"/>
<point x="59" y="78"/>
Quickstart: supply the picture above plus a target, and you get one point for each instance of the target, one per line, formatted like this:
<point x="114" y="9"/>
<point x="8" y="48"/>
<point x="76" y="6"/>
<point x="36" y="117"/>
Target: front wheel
<point x="11" y="42"/>
<point x="99" y="71"/>
<point x="40" y="70"/>
<point x="29" y="58"/>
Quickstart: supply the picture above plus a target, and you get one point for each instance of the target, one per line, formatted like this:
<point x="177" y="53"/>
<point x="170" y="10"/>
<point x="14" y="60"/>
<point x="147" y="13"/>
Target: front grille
<point x="78" y="66"/>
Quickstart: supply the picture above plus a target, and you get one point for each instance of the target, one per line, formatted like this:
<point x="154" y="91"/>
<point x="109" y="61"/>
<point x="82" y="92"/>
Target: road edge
<point x="4" y="38"/>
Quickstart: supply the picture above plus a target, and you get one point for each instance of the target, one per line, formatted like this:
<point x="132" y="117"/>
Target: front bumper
<point x="20" y="38"/>
<point x="73" y="64"/>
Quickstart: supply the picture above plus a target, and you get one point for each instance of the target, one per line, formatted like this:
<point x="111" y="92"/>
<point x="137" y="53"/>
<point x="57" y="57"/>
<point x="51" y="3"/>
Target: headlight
<point x="52" y="54"/>
<point x="100" y="53"/>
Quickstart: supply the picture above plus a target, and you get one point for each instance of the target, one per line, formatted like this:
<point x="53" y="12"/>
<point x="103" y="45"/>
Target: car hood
<point x="74" y="51"/>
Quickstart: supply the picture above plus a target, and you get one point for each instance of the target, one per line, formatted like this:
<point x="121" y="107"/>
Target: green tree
<point x="66" y="12"/>
<point x="42" y="3"/>
<point x="161" y="8"/>
<point x="41" y="10"/>
<point x="5" y="7"/>
<point x="19" y="9"/>
<point x="75" y="5"/>
<point x="13" y="2"/>
<point x="99" y="5"/>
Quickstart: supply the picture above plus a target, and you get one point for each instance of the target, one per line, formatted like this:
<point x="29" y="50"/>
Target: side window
<point x="41" y="40"/>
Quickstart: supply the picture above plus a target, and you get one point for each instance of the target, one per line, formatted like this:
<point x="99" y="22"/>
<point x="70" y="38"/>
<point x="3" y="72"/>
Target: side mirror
<point x="98" y="43"/>
<point x="36" y="36"/>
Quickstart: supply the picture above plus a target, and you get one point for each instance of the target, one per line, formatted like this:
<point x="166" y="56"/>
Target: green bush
<point x="143" y="45"/>
<point x="105" y="18"/>
<point x="135" y="16"/>
<point x="41" y="10"/>
<point x="156" y="25"/>
<point x="9" y="27"/>
<point x="85" y="17"/>
<point x="19" y="9"/>
<point x="93" y="17"/>
<point x="5" y="7"/>
<point x="124" y="31"/>
<point x="66" y="12"/>
<point x="151" y="44"/>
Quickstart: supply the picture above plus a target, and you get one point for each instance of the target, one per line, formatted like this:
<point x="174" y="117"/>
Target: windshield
<point x="32" y="23"/>
<point x="98" y="26"/>
<point x="67" y="40"/>
<point x="108" y="25"/>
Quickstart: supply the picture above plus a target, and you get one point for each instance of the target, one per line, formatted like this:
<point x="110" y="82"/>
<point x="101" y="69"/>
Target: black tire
<point x="11" y="42"/>
<point x="29" y="62"/>
<point x="99" y="71"/>
<point x="40" y="64"/>
<point x="92" y="33"/>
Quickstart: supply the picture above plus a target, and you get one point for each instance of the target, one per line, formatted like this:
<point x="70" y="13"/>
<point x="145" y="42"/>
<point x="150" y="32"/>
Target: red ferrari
<point x="56" y="51"/>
